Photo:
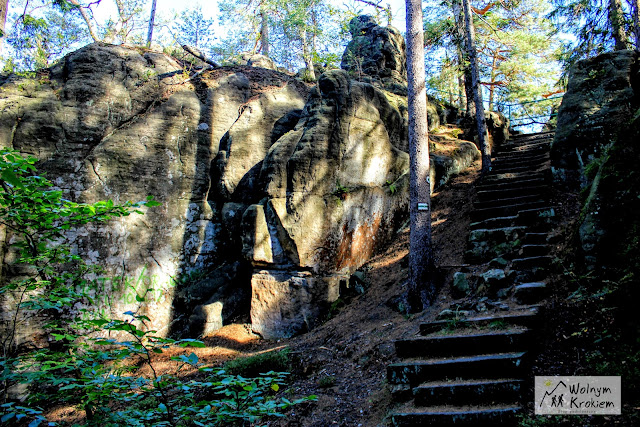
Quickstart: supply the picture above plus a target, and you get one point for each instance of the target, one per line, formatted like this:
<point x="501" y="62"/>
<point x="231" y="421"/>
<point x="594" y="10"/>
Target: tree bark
<point x="4" y="6"/>
<point x="636" y="23"/>
<point x="470" y="36"/>
<point x="306" y="56"/>
<point x="463" y="56"/>
<point x="151" y="21"/>
<point x="421" y="288"/>
<point x="616" y="17"/>
<point x="264" y="32"/>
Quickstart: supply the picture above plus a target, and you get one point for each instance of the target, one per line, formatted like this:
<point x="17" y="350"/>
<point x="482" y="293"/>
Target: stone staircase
<point x="472" y="367"/>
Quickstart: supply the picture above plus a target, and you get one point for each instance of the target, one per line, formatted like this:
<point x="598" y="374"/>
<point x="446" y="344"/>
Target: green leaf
<point x="275" y="387"/>
<point x="10" y="177"/>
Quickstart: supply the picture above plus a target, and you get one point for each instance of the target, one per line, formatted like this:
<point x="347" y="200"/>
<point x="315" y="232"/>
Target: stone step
<point x="498" y="365"/>
<point x="463" y="344"/>
<point x="526" y="318"/>
<point x="494" y="223"/>
<point x="532" y="262"/>
<point x="470" y="392"/>
<point x="527" y="251"/>
<point x="508" y="210"/>
<point x="538" y="139"/>
<point x="500" y="178"/>
<point x="513" y="183"/>
<point x="501" y="170"/>
<point x="531" y="216"/>
<point x="517" y="152"/>
<point x="535" y="238"/>
<point x="528" y="293"/>
<point x="524" y="147"/>
<point x="535" y="274"/>
<point x="521" y="158"/>
<point x="533" y="136"/>
<point x="497" y="203"/>
<point x="512" y="192"/>
<point x="516" y="161"/>
<point x="444" y="416"/>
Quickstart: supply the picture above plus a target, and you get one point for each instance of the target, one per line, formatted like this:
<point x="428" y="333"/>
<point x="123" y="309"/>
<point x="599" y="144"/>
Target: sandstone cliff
<point x="273" y="192"/>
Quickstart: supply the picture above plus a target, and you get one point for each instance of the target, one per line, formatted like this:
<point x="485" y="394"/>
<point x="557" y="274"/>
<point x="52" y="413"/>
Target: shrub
<point x="78" y="366"/>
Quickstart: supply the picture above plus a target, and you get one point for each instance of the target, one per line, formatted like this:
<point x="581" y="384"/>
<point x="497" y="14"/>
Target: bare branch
<point x="198" y="54"/>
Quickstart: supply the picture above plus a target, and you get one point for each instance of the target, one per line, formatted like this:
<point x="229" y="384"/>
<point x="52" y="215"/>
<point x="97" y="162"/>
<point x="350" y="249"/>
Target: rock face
<point x="596" y="144"/>
<point x="599" y="102"/>
<point x="110" y="122"/>
<point x="376" y="54"/>
<point x="328" y="204"/>
<point x="273" y="193"/>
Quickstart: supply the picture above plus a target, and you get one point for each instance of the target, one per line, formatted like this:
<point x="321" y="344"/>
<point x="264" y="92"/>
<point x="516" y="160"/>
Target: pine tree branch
<point x="201" y="56"/>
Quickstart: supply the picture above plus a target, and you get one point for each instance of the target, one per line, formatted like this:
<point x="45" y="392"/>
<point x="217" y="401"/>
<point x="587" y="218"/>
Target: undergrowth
<point x="91" y="362"/>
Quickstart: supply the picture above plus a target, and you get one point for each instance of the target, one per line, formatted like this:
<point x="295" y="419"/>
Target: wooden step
<point x="500" y="178"/>
<point x="463" y="344"/>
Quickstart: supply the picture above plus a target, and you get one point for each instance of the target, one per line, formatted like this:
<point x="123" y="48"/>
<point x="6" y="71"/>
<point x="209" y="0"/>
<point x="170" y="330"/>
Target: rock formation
<point x="596" y="145"/>
<point x="273" y="192"/>
<point x="376" y="54"/>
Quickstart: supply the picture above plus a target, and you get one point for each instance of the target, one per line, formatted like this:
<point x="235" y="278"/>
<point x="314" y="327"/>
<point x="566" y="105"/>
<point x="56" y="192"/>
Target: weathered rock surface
<point x="110" y="122"/>
<point x="597" y="141"/>
<point x="272" y="193"/>
<point x="599" y="103"/>
<point x="379" y="53"/>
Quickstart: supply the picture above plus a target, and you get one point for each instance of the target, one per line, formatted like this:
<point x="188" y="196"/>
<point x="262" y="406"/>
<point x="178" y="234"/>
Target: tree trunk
<point x="485" y="150"/>
<point x="264" y="32"/>
<point x="306" y="56"/>
<point x="421" y="288"/>
<point x="151" y="21"/>
<point x="463" y="54"/>
<point x="636" y="23"/>
<point x="494" y="67"/>
<point x="4" y="6"/>
<point x="86" y="18"/>
<point x="616" y="17"/>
